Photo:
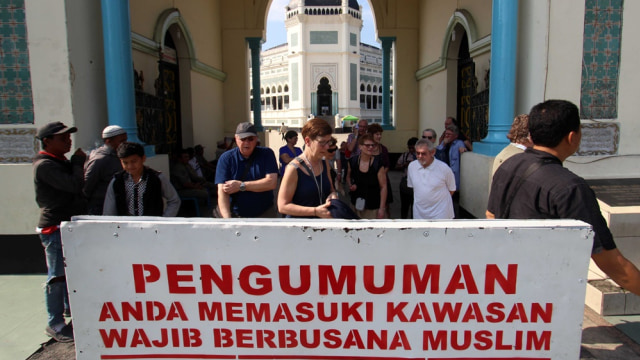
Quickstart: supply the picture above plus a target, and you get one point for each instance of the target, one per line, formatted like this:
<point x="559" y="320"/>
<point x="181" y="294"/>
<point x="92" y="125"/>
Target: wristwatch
<point x="243" y="186"/>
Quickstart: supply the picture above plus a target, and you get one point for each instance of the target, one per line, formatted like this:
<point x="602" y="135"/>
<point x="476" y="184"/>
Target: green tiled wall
<point x="601" y="59"/>
<point x="16" y="102"/>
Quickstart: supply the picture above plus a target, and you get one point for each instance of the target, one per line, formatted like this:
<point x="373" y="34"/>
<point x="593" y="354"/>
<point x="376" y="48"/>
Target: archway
<point x="466" y="84"/>
<point x="324" y="94"/>
<point x="168" y="88"/>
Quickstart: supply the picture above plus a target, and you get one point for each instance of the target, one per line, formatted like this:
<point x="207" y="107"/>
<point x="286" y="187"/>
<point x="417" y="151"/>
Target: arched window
<point x="268" y="91"/>
<point x="375" y="88"/>
<point x="279" y="88"/>
<point x="361" y="87"/>
<point x="368" y="88"/>
<point x="286" y="88"/>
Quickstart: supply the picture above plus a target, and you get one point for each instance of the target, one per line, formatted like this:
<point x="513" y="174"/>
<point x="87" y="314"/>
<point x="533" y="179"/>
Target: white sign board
<point x="149" y="288"/>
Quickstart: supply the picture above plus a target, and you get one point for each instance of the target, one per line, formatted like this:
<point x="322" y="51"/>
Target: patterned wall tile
<point x="601" y="59"/>
<point x="16" y="101"/>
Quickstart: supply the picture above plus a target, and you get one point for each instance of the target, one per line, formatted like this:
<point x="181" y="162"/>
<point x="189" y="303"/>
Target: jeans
<point x="56" y="295"/>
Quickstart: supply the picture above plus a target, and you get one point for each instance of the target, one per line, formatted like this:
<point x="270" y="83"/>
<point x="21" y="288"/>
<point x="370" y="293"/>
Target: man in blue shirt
<point x="246" y="177"/>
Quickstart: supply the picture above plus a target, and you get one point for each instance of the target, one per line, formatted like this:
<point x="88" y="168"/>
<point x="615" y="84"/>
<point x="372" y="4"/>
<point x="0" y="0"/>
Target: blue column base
<point x="488" y="148"/>
<point x="149" y="150"/>
<point x="388" y="127"/>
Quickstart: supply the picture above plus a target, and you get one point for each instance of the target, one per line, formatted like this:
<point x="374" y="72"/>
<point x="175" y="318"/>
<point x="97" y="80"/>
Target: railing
<point x="322" y="10"/>
<point x="479" y="124"/>
<point x="150" y="120"/>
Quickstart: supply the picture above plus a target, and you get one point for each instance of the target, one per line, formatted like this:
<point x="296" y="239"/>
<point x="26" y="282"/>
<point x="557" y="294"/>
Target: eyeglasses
<point x="369" y="145"/>
<point x="249" y="138"/>
<point x="421" y="153"/>
<point x="427" y="137"/>
<point x="323" y="143"/>
<point x="332" y="150"/>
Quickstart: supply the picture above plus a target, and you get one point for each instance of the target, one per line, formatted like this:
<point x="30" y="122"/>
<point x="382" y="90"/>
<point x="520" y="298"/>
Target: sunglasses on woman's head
<point x="332" y="149"/>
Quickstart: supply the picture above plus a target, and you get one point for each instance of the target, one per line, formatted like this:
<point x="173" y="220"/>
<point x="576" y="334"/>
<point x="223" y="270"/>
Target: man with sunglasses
<point x="246" y="177"/>
<point x="430" y="135"/>
<point x="433" y="184"/>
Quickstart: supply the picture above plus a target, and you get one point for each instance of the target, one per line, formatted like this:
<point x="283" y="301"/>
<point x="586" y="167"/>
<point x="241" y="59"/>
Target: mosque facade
<point x="323" y="70"/>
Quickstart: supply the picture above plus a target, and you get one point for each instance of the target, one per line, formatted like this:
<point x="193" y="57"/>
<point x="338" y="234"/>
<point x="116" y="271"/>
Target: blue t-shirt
<point x="231" y="166"/>
<point x="285" y="150"/>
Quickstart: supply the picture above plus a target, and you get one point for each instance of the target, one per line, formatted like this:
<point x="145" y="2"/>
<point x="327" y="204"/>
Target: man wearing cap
<point x="102" y="165"/>
<point x="58" y="186"/>
<point x="246" y="177"/>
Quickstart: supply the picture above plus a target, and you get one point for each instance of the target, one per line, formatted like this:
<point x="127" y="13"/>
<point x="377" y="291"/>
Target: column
<point x="504" y="34"/>
<point x="255" y="44"/>
<point x="118" y="63"/>
<point x="387" y="42"/>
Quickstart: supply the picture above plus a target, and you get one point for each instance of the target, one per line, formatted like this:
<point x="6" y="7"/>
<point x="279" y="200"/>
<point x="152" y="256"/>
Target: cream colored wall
<point x="18" y="197"/>
<point x="434" y="20"/>
<point x="475" y="172"/>
<point x="433" y="95"/>
<point x="400" y="20"/>
<point x="208" y="121"/>
<point x="203" y="19"/>
<point x="565" y="57"/>
<point x="86" y="58"/>
<point x="201" y="96"/>
<point x="434" y="17"/>
<point x="239" y="21"/>
<point x="144" y="14"/>
<point x="49" y="61"/>
<point x="531" y="76"/>
<point x="235" y="53"/>
<point x="438" y="92"/>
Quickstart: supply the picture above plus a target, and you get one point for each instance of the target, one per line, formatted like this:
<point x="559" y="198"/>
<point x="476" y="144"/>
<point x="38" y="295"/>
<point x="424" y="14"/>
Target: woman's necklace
<point x="313" y="175"/>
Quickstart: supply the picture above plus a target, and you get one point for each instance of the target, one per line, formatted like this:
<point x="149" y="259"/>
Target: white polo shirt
<point x="431" y="190"/>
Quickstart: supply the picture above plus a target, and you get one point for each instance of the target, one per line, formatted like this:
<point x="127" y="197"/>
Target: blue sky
<point x="277" y="35"/>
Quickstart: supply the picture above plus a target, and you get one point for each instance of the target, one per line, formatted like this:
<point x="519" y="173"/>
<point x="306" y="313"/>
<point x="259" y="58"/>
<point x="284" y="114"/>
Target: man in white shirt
<point x="433" y="184"/>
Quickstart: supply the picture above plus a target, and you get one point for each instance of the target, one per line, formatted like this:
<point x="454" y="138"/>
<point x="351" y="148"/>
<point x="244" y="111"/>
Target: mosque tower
<point x="324" y="56"/>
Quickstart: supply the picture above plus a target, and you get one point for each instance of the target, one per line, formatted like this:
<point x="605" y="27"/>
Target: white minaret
<point x="323" y="55"/>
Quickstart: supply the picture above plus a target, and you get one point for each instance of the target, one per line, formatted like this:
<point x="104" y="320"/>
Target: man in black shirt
<point x="535" y="185"/>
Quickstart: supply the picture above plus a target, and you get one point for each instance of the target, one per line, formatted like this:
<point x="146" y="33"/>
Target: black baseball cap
<point x="54" y="128"/>
<point x="245" y="130"/>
